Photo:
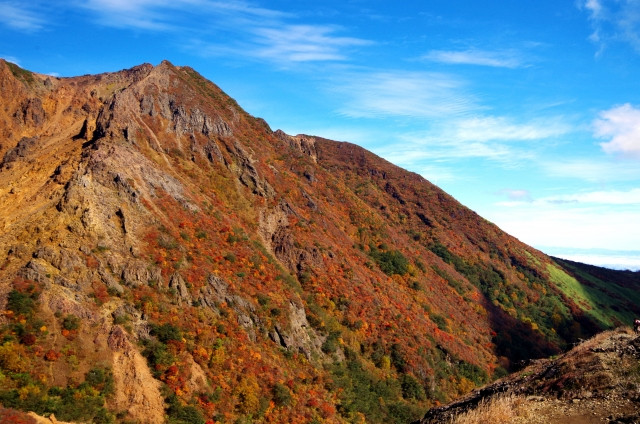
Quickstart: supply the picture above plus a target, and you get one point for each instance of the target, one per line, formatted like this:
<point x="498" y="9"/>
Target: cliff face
<point x="163" y="253"/>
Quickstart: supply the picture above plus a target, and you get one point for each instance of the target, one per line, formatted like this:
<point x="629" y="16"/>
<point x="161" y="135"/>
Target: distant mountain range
<point x="165" y="256"/>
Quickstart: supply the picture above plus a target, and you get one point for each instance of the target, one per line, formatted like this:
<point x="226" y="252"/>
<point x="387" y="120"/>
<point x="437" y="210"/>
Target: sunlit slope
<point x="154" y="229"/>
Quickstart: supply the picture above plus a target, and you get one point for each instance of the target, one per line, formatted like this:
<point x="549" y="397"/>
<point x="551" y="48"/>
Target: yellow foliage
<point x="412" y="270"/>
<point x="25" y="391"/>
<point x="386" y="363"/>
<point x="465" y="385"/>
<point x="13" y="357"/>
<point x="247" y="394"/>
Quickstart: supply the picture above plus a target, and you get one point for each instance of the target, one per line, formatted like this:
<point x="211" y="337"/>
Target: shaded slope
<point x="261" y="275"/>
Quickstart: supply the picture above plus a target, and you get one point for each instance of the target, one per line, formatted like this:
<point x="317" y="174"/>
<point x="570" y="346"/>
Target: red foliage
<point x="52" y="355"/>
<point x="27" y="286"/>
<point x="92" y="262"/>
<point x="100" y="292"/>
<point x="28" y="339"/>
<point x="11" y="416"/>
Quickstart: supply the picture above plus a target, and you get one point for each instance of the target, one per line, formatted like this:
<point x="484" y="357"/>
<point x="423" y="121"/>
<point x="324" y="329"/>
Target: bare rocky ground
<point x="596" y="382"/>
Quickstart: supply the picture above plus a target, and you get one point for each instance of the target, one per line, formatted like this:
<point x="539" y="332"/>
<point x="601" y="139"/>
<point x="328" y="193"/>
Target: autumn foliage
<point x="263" y="277"/>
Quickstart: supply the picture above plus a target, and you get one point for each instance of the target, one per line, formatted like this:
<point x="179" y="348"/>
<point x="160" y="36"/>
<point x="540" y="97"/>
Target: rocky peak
<point x="150" y="225"/>
<point x="303" y="143"/>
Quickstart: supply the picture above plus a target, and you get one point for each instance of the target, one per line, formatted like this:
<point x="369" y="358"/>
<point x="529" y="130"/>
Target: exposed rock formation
<point x="150" y="227"/>
<point x="137" y="392"/>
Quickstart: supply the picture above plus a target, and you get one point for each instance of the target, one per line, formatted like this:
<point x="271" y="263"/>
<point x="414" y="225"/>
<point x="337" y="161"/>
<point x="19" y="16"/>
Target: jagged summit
<point x="172" y="252"/>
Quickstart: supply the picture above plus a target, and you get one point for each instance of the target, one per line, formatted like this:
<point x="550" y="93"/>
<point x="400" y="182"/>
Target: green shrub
<point x="281" y="395"/>
<point x="157" y="354"/>
<point x="472" y="372"/>
<point x="390" y="262"/>
<point x="21" y="303"/>
<point x="71" y="322"/>
<point x="362" y="392"/>
<point x="100" y="379"/>
<point x="397" y="358"/>
<point x="166" y="332"/>
<point x="263" y="299"/>
<point x="440" y="321"/>
<point x="330" y="345"/>
<point x="275" y="312"/>
<point x="411" y="388"/>
<point x="179" y="413"/>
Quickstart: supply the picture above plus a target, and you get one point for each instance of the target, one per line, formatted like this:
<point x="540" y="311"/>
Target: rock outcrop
<point x="596" y="381"/>
<point x="137" y="392"/>
<point x="153" y="231"/>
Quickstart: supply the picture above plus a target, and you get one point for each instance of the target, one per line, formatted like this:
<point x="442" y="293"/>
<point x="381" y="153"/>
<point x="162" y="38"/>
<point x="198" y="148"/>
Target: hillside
<point x="165" y="255"/>
<point x="597" y="381"/>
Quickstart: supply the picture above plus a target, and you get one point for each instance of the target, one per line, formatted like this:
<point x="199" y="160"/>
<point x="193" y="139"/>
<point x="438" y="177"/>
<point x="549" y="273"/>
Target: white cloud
<point x="404" y="94"/>
<point x="516" y="195"/>
<point x="592" y="170"/>
<point x="594" y="7"/>
<point x="11" y="59"/>
<point x="614" y="21"/>
<point x="574" y="222"/>
<point x="138" y="14"/>
<point x="19" y="17"/>
<point x="615" y="261"/>
<point x="247" y="30"/>
<point x="500" y="59"/>
<point x="570" y="226"/>
<point x="610" y="198"/>
<point x="488" y="128"/>
<point x="614" y="197"/>
<point x="499" y="139"/>
<point x="303" y="43"/>
<point x="622" y="125"/>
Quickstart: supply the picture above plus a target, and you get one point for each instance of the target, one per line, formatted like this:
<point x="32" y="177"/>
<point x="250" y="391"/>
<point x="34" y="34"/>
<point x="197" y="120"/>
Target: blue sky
<point x="528" y="112"/>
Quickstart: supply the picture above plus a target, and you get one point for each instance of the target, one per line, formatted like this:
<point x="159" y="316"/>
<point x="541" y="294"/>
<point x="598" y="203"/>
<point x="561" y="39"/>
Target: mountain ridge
<point x="185" y="234"/>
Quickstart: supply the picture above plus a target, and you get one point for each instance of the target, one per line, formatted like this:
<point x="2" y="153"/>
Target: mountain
<point x="597" y="381"/>
<point x="166" y="256"/>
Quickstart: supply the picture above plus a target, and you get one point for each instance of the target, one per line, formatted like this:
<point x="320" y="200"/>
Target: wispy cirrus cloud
<point x="600" y="197"/>
<point x="592" y="170"/>
<point x="498" y="59"/>
<point x="11" y="59"/>
<point x="150" y="15"/>
<point x="487" y="128"/>
<point x="613" y="21"/>
<point x="248" y="31"/>
<point x="443" y="146"/>
<point x="17" y="16"/>
<point x="403" y="94"/>
<point x="501" y="139"/>
<point x="516" y="195"/>
<point x="303" y="43"/>
<point x="612" y="197"/>
<point x="161" y="15"/>
<point x="621" y="125"/>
